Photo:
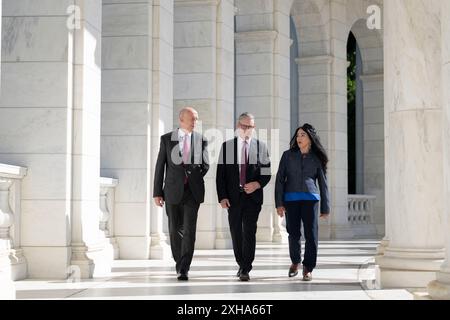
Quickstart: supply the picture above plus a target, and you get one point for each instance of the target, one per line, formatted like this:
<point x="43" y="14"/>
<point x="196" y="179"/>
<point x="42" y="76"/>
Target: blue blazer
<point x="299" y="173"/>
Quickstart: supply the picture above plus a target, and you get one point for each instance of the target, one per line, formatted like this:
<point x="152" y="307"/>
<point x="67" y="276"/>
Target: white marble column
<point x="90" y="249"/>
<point x="440" y="288"/>
<point x="136" y="110"/>
<point x="51" y="88"/>
<point x="204" y="79"/>
<point x="263" y="88"/>
<point x="373" y="170"/>
<point x="414" y="153"/>
<point x="162" y="111"/>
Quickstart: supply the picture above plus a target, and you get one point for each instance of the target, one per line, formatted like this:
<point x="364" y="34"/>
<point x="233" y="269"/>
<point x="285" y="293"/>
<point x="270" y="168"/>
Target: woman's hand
<point x="324" y="216"/>
<point x="281" y="211"/>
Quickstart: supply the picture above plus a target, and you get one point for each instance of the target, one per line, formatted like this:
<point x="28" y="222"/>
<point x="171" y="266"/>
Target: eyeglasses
<point x="245" y="127"/>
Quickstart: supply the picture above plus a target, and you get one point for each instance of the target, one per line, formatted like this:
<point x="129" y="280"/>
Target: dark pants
<point x="182" y="228"/>
<point x="296" y="213"/>
<point x="243" y="218"/>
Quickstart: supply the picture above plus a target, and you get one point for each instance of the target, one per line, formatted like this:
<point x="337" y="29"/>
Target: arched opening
<point x="355" y="118"/>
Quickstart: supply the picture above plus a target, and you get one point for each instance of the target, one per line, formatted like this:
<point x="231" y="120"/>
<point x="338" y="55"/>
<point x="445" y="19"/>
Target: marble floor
<point x="345" y="270"/>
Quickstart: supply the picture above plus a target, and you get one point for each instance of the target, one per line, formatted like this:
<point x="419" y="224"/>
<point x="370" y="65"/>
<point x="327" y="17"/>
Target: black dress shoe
<point x="238" y="274"/>
<point x="293" y="270"/>
<point x="183" y="276"/>
<point x="244" y="276"/>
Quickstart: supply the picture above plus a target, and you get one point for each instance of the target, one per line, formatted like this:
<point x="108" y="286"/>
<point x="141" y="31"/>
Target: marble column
<point x="51" y="88"/>
<point x="91" y="251"/>
<point x="136" y="110"/>
<point x="263" y="89"/>
<point x="440" y="288"/>
<point x="162" y="111"/>
<point x="373" y="169"/>
<point x="414" y="152"/>
<point x="7" y="289"/>
<point x="204" y="79"/>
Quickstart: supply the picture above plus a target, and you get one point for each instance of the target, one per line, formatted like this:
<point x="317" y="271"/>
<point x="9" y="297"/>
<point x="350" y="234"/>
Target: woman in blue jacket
<point x="297" y="195"/>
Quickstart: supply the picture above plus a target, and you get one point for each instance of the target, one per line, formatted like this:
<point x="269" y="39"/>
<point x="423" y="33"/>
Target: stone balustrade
<point x="360" y="214"/>
<point x="12" y="262"/>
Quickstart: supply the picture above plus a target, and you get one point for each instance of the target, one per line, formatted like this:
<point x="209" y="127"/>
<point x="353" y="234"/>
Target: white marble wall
<point x="262" y="86"/>
<point x="414" y="152"/>
<point x="204" y="79"/>
<point x="440" y="289"/>
<point x="51" y="87"/>
<point x="136" y="110"/>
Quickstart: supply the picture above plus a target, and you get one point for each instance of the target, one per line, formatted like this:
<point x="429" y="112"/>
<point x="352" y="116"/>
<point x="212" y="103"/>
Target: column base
<point x="439" y="289"/>
<point x="160" y="252"/>
<point x="382" y="246"/>
<point x="205" y="239"/>
<point x="264" y="234"/>
<point x="223" y="240"/>
<point x="134" y="248"/>
<point x="407" y="268"/>
<point x="280" y="237"/>
<point x="92" y="260"/>
<point x="47" y="262"/>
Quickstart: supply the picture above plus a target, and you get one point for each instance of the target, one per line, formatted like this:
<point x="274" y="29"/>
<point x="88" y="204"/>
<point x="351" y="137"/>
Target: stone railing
<point x="14" y="263"/>
<point x="360" y="214"/>
<point x="107" y="190"/>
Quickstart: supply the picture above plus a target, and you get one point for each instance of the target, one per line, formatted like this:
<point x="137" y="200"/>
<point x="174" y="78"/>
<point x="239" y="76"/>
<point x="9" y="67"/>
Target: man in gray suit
<point x="183" y="157"/>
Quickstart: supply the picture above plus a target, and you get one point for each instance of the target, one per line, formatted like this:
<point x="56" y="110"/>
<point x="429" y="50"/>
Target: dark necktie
<point x="243" y="176"/>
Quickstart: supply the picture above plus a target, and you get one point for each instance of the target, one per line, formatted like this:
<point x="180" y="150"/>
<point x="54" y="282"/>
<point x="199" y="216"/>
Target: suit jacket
<point x="227" y="178"/>
<point x="298" y="173"/>
<point x="170" y="171"/>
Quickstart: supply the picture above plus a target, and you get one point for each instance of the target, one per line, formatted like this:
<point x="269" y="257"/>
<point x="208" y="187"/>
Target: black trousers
<point x="296" y="213"/>
<point x="182" y="229"/>
<point x="243" y="219"/>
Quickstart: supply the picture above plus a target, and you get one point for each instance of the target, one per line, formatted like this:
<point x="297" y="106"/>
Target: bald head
<point x="188" y="117"/>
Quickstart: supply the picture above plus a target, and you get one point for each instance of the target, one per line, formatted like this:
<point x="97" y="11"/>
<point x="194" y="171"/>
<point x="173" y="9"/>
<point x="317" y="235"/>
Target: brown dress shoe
<point x="293" y="270"/>
<point x="307" y="275"/>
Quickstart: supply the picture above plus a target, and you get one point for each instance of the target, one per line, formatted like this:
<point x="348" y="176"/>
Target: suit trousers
<point x="243" y="219"/>
<point x="296" y="213"/>
<point x="182" y="228"/>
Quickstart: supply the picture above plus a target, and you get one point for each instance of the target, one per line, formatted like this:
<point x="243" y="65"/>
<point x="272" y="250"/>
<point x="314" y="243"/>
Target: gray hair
<point x="185" y="110"/>
<point x="246" y="115"/>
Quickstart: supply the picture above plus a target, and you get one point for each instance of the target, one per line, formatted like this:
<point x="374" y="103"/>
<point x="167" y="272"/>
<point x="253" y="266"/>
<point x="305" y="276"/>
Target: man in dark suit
<point x="183" y="157"/>
<point x="243" y="171"/>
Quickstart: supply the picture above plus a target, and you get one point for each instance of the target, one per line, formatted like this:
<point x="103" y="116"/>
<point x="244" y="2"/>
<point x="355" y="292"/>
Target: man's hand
<point x="159" y="201"/>
<point x="324" y="216"/>
<point x="251" y="187"/>
<point x="225" y="203"/>
<point x="281" y="211"/>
